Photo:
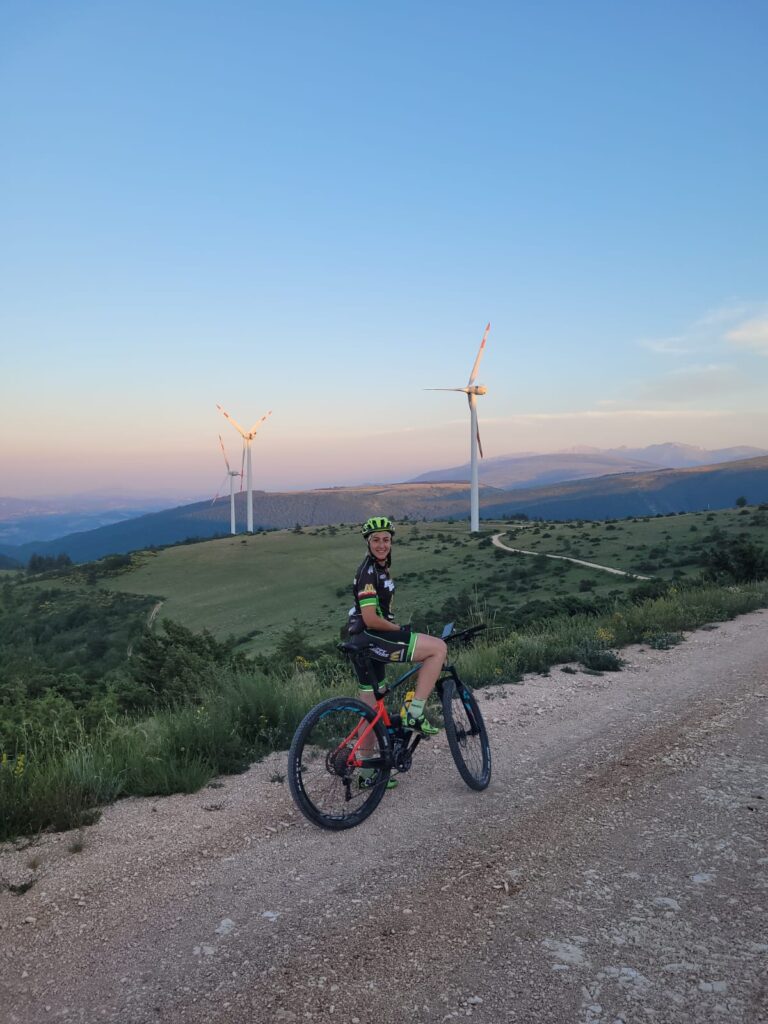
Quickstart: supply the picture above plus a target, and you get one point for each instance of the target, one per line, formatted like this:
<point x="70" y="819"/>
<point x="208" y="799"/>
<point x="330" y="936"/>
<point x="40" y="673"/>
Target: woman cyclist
<point x="372" y="619"/>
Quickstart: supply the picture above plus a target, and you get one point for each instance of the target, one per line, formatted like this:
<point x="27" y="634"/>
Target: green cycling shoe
<point x="367" y="779"/>
<point x="419" y="725"/>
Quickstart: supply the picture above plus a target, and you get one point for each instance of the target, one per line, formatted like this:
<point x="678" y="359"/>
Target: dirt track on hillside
<point x="499" y="543"/>
<point x="616" y="871"/>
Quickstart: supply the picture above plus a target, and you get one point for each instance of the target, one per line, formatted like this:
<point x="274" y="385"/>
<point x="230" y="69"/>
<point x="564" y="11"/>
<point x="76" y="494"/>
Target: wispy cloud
<point x="752" y="334"/>
<point x="727" y="314"/>
<point x="739" y="323"/>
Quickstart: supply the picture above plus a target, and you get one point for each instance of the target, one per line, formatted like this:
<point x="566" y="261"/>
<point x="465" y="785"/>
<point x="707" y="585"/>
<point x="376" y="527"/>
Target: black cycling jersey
<point x="372" y="587"/>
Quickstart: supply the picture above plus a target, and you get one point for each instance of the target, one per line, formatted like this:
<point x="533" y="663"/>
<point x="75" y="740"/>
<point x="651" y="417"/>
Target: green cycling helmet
<point x="377" y="524"/>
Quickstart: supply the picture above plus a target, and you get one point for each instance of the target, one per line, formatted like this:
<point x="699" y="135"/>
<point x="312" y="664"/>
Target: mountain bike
<point x="342" y="735"/>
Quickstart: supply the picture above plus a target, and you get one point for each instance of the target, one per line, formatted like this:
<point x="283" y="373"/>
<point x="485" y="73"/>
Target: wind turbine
<point x="231" y="473"/>
<point x="472" y="390"/>
<point x="247" y="436"/>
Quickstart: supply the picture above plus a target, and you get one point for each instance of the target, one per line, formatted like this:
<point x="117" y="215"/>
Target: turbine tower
<point x="231" y="473"/>
<point x="472" y="391"/>
<point x="247" y="436"/>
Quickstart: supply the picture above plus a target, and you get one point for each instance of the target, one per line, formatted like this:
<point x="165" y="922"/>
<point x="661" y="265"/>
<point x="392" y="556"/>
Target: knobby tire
<point x="323" y="786"/>
<point x="466" y="734"/>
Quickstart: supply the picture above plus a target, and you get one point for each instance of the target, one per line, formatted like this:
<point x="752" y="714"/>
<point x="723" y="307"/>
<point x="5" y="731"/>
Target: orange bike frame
<point x="382" y="715"/>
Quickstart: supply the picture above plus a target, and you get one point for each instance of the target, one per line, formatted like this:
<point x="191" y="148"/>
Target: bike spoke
<point x="325" y="778"/>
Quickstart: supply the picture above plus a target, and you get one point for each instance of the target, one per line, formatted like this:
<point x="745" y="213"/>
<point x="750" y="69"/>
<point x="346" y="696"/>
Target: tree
<point x="739" y="560"/>
<point x="294" y="643"/>
<point x="741" y="501"/>
<point x="178" y="664"/>
<point x="47" y="563"/>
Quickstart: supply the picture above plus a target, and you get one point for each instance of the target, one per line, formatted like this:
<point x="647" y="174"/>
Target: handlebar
<point x="464" y="637"/>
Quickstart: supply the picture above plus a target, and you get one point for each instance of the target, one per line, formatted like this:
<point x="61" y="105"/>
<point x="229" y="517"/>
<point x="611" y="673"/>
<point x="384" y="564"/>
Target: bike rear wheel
<point x="467" y="735"/>
<point x="327" y="788"/>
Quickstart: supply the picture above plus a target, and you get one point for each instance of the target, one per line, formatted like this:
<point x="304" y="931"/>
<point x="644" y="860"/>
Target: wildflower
<point x="604" y="636"/>
<point x="18" y="770"/>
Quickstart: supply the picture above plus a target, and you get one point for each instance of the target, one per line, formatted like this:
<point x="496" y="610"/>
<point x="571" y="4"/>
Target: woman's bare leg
<point x="431" y="652"/>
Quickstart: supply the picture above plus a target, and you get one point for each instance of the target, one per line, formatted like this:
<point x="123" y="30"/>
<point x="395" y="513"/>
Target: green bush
<point x="736" y="559"/>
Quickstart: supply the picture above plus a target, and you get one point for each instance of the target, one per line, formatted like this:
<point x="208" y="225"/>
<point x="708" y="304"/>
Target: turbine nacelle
<point x="477" y="389"/>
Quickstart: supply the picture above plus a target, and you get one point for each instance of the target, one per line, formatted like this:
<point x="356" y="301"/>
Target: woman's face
<point x="380" y="544"/>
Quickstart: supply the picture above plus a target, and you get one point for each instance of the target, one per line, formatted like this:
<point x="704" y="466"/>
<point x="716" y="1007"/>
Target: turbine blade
<point x="479" y="357"/>
<point x="242" y="469"/>
<point x="256" y="426"/>
<point x="226" y="460"/>
<point x="218" y="492"/>
<point x="479" y="442"/>
<point x="234" y="422"/>
<point x="445" y="389"/>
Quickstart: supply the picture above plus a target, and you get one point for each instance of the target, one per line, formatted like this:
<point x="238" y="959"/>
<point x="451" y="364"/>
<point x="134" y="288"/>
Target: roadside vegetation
<point x="94" y="705"/>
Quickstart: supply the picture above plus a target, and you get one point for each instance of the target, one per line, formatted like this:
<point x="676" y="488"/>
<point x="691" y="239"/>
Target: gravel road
<point x="616" y="871"/>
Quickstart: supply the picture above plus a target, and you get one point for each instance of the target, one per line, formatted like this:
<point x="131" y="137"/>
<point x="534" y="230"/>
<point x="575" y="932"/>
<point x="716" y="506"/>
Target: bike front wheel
<point x="467" y="735"/>
<point x="324" y="773"/>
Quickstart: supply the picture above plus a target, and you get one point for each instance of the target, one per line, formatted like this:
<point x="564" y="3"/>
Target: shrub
<point x="739" y="560"/>
<point x="600" y="660"/>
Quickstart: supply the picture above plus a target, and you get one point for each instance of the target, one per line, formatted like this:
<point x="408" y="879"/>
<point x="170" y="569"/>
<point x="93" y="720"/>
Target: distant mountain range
<point x="37" y="519"/>
<point x="531" y="469"/>
<point x="607" y="497"/>
<point x="640" y="494"/>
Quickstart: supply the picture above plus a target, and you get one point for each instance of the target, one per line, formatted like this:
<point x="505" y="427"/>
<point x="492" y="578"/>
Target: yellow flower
<point x="604" y="636"/>
<point x="18" y="770"/>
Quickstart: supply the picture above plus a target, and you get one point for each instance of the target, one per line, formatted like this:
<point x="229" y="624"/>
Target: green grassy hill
<point x="97" y="702"/>
<point x="255" y="587"/>
<point x="665" y="547"/>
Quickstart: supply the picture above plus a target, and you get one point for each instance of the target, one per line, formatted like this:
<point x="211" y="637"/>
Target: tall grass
<point x="570" y="638"/>
<point x="60" y="781"/>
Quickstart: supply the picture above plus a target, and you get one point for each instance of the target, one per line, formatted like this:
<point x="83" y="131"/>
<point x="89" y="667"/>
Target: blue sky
<point x="315" y="208"/>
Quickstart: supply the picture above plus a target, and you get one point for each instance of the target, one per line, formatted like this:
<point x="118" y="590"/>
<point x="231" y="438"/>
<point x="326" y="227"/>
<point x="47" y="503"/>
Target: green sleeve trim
<point x="369" y="602"/>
